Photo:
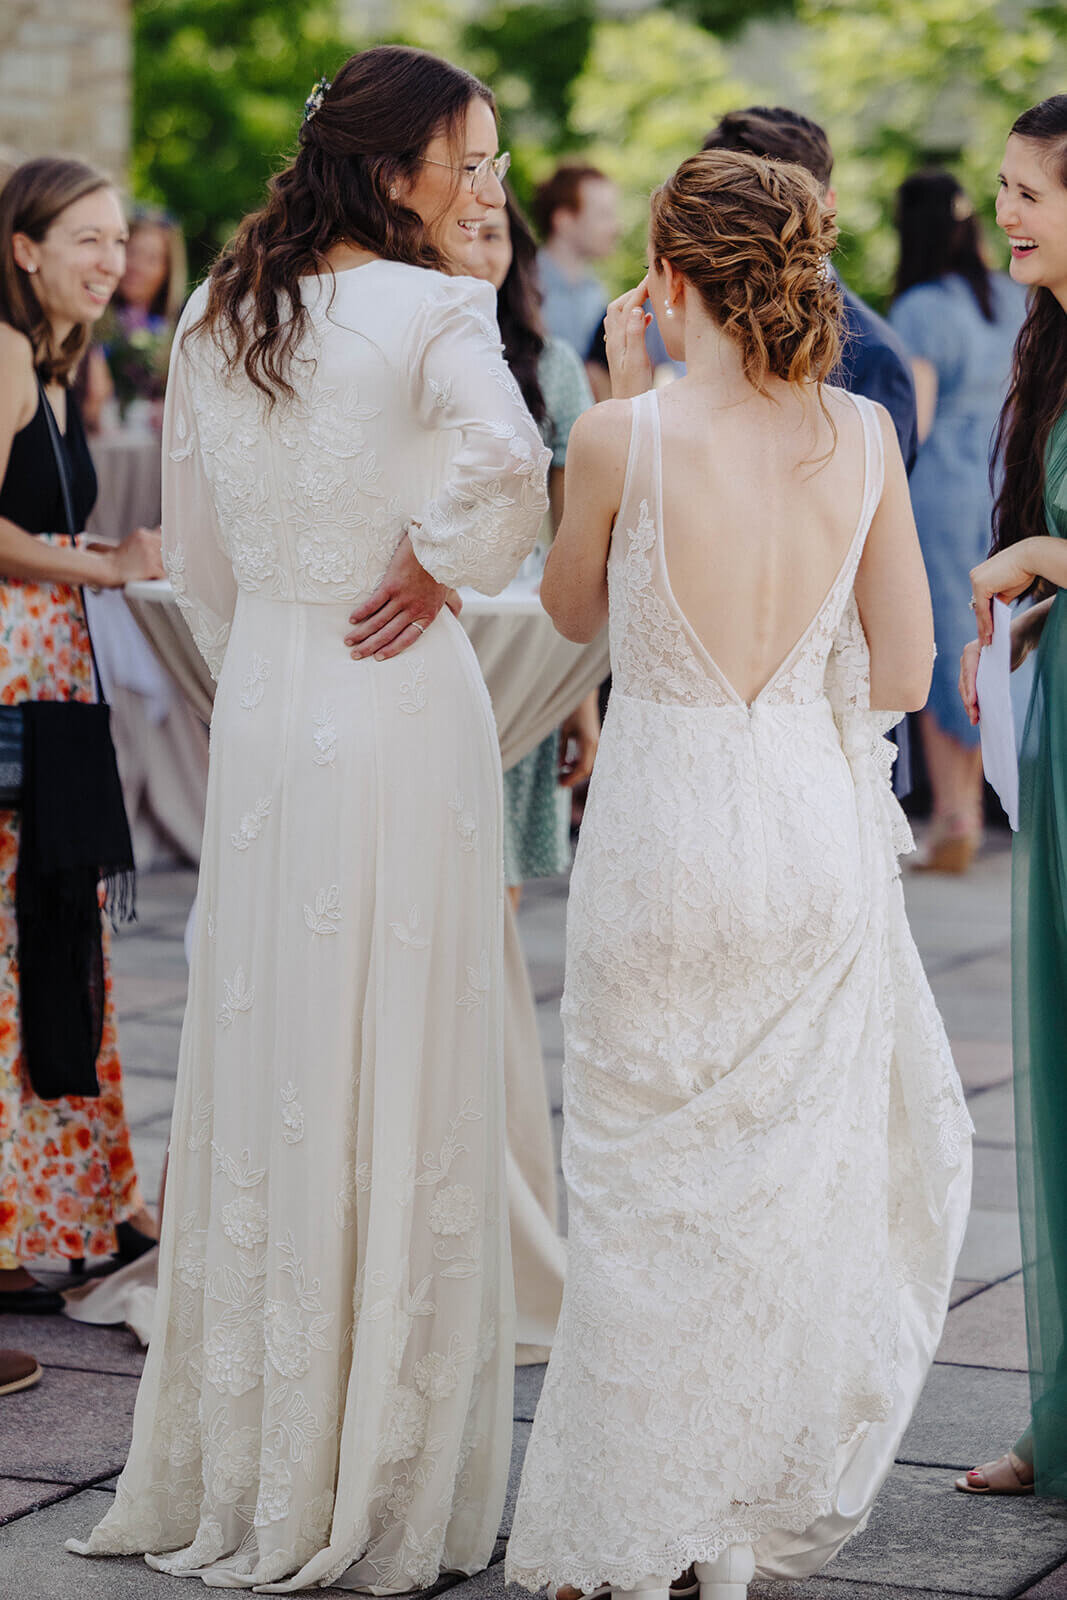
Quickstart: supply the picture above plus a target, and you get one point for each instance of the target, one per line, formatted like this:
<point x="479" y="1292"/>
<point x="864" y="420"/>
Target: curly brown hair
<point x="369" y="131"/>
<point x="753" y="237"/>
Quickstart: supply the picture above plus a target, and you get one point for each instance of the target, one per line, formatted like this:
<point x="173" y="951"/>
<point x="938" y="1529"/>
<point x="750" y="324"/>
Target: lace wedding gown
<point x="328" y="1390"/>
<point x="766" y="1145"/>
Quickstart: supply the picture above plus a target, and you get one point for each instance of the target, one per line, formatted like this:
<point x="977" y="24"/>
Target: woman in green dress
<point x="537" y="789"/>
<point x="1030" y="555"/>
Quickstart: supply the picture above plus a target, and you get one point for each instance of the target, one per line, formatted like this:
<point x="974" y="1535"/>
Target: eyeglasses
<point x="478" y="176"/>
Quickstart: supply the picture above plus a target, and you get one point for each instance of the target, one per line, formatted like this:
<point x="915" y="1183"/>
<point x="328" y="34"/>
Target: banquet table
<point x="535" y="679"/>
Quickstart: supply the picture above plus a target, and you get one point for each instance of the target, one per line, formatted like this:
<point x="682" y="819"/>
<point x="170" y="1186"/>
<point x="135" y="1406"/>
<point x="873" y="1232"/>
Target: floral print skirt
<point x="67" y="1174"/>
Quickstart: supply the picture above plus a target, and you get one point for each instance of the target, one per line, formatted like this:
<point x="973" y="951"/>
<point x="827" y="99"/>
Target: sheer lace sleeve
<point x="199" y="568"/>
<point x="487" y="517"/>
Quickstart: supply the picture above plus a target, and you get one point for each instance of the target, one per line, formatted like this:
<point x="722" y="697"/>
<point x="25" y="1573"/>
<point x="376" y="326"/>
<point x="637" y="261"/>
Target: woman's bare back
<point x="760" y="508"/>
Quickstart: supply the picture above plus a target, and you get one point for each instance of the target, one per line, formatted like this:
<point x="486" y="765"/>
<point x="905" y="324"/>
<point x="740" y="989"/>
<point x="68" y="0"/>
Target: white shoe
<point x="728" y="1576"/>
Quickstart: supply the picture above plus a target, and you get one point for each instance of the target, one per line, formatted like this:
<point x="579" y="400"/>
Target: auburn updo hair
<point x="754" y="237"/>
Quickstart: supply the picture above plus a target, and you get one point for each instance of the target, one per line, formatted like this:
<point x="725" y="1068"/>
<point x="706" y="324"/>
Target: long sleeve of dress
<point x="199" y="568"/>
<point x="485" y="521"/>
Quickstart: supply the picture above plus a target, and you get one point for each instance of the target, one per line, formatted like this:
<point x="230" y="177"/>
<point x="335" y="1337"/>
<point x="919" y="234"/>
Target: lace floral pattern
<point x="334" y="1283"/>
<point x="762" y="1118"/>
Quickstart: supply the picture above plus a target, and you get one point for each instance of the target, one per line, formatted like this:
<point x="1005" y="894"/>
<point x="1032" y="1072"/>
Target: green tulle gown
<point x="1039" y="960"/>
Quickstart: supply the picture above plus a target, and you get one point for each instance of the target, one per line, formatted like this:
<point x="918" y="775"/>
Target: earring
<point x="669" y="310"/>
<point x="31" y="267"/>
<point x="392" y="192"/>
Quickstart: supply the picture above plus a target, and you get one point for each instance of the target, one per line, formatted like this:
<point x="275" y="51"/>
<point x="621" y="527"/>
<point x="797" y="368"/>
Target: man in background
<point x="577" y="214"/>
<point x="874" y="362"/>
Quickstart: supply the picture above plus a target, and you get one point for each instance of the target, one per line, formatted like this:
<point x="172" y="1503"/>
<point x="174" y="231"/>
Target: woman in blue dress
<point x="959" y="321"/>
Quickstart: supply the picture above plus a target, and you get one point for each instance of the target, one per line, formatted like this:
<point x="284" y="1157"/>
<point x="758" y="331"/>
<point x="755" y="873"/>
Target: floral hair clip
<point x="315" y="98"/>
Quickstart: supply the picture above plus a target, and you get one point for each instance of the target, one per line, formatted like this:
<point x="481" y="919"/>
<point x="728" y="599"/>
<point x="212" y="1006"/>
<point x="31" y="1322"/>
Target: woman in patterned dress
<point x="537" y="789"/>
<point x="67" y="1174"/>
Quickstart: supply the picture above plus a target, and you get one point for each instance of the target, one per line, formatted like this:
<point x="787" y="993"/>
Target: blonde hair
<point x="753" y="237"/>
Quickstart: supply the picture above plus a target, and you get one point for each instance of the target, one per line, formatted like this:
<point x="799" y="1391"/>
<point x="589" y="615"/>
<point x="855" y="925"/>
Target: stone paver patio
<point x="62" y="1443"/>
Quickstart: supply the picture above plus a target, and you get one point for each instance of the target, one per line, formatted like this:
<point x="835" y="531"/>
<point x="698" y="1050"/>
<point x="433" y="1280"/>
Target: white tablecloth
<point x="160" y="743"/>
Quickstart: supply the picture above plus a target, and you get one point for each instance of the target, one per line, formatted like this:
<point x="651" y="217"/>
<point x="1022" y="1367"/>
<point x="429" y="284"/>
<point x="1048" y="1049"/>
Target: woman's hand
<point x="624" y="339"/>
<point x="1004" y="576"/>
<point x="400" y="610"/>
<point x="137" y="558"/>
<point x="578" y="740"/>
<point x="969" y="680"/>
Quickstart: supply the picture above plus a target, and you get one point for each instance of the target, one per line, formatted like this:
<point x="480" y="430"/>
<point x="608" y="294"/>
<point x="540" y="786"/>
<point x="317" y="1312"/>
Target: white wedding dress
<point x="328" y="1391"/>
<point x="766" y="1145"/>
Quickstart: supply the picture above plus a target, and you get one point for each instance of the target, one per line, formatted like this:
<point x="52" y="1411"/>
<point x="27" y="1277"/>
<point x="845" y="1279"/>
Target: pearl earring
<point x="392" y="192"/>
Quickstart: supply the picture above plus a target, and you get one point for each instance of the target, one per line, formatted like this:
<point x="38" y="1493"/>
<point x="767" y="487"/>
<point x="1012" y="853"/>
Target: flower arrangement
<point x="137" y="359"/>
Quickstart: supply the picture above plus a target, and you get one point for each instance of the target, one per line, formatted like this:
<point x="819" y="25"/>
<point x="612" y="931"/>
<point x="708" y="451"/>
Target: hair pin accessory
<point x="315" y="98"/>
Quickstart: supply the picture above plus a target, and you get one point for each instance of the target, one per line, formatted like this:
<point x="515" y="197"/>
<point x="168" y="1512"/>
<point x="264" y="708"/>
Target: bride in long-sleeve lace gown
<point x="328" y="1389"/>
<point x="766" y="1146"/>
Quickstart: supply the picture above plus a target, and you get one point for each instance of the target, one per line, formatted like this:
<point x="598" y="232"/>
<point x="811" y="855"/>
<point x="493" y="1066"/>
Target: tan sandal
<point x="1003" y="1476"/>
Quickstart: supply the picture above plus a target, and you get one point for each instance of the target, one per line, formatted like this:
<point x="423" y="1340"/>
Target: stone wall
<point x="65" y="80"/>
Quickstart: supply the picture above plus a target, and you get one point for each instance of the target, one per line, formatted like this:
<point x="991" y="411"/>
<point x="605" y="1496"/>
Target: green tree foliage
<point x="904" y="83"/>
<point x="652" y="87"/>
<point x="219" y="89"/>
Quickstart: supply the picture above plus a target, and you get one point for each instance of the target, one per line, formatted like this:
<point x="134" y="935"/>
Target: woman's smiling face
<point x="442" y="196"/>
<point x="1032" y="210"/>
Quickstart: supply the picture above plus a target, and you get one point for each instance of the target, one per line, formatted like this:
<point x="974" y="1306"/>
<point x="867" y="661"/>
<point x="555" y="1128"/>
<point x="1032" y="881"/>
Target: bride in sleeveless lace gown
<point x="766" y="1146"/>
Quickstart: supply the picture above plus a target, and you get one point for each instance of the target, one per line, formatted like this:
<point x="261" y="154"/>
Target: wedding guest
<point x="328" y="1390"/>
<point x="1030" y="545"/>
<point x="745" y="1329"/>
<point x="873" y="360"/>
<point x="556" y="390"/>
<point x="576" y="211"/>
<point x="959" y="321"/>
<point x="68" y="1184"/>
<point x="130" y="361"/>
<point x="152" y="289"/>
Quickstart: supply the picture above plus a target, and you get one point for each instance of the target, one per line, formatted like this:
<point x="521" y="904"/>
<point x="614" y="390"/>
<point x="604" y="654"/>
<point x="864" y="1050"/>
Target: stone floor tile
<point x="74" y="1426"/>
<point x="965" y="1415"/>
<point x="988" y="1330"/>
<point x="136" y="994"/>
<point x="1052" y="1587"/>
<point x="982" y="1062"/>
<point x="924" y="1534"/>
<point x="60" y="1342"/>
<point x="991" y="1245"/>
<point x="993" y="1114"/>
<point x="19" y="1495"/>
<point x="146" y="1098"/>
<point x="963" y="1288"/>
<point x="528" y="1381"/>
<point x="149" y="1046"/>
<point x="975" y="998"/>
<point x="995" y="1184"/>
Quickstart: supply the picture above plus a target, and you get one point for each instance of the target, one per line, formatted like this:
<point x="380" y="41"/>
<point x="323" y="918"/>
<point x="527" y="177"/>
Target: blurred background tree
<point x="219" y="89"/>
<point x="220" y="84"/>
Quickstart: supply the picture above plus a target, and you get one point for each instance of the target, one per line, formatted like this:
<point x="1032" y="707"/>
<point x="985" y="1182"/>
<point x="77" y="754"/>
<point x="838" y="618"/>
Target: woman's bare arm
<point x="574" y="589"/>
<point x="893" y="594"/>
<point x="22" y="554"/>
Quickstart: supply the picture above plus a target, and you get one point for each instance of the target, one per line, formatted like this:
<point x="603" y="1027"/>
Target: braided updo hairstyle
<point x="753" y="238"/>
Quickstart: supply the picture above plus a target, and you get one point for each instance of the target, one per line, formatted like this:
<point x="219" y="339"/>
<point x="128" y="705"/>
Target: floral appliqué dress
<point x="67" y="1173"/>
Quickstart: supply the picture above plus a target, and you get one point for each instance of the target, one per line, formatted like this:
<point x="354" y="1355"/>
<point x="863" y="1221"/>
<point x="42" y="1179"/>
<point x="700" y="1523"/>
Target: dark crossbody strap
<point x="60" y="457"/>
